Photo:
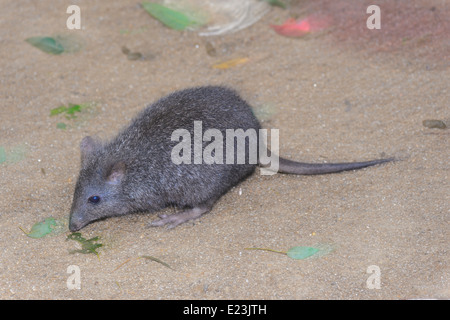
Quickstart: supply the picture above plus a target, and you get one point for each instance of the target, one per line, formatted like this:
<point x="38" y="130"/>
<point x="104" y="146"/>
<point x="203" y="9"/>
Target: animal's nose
<point x="74" y="227"/>
<point x="75" y="224"/>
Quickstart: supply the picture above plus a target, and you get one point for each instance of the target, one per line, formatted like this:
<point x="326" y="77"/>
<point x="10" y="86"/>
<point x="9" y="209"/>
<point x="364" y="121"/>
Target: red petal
<point x="293" y="28"/>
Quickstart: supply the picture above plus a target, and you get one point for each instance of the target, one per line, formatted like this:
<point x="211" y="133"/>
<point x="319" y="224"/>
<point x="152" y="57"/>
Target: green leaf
<point x="87" y="246"/>
<point x="17" y="154"/>
<point x="57" y="44"/>
<point x="61" y="125"/>
<point x="14" y="154"/>
<point x="2" y="155"/>
<point x="276" y="3"/>
<point x="73" y="108"/>
<point x="46" y="44"/>
<point x="40" y="229"/>
<point x="69" y="111"/>
<point x="265" y="111"/>
<point x="300" y="253"/>
<point x="171" y="18"/>
<point x="58" y="110"/>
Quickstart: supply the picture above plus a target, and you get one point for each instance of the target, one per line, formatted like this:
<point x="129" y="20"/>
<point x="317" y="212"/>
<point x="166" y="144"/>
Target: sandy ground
<point x="334" y="98"/>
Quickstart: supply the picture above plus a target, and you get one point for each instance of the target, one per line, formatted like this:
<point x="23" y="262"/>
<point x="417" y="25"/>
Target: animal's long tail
<point x="293" y="167"/>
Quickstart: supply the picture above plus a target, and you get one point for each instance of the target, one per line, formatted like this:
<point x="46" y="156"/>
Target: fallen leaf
<point x="46" y="44"/>
<point x="134" y="56"/>
<point x="57" y="110"/>
<point x="300" y="253"/>
<point x="61" y="125"/>
<point x="292" y="28"/>
<point x="438" y="124"/>
<point x="156" y="260"/>
<point x="120" y="265"/>
<point x="58" y="44"/>
<point x="15" y="154"/>
<point x="2" y="155"/>
<point x="70" y="110"/>
<point x="125" y="50"/>
<point x="171" y="18"/>
<point x="265" y="111"/>
<point x="87" y="246"/>
<point x="230" y="63"/>
<point x="131" y="55"/>
<point x="40" y="229"/>
<point x="276" y="3"/>
<point x="210" y="50"/>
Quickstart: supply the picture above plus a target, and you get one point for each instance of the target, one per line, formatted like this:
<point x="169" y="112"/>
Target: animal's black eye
<point x="94" y="199"/>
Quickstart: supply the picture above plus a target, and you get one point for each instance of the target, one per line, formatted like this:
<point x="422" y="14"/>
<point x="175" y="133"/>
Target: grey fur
<point x="134" y="172"/>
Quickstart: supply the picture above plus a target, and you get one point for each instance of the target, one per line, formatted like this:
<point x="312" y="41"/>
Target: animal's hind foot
<point x="173" y="220"/>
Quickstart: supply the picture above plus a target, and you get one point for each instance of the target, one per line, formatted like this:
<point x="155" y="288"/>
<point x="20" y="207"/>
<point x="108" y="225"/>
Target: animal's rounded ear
<point x="89" y="145"/>
<point x="116" y="173"/>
